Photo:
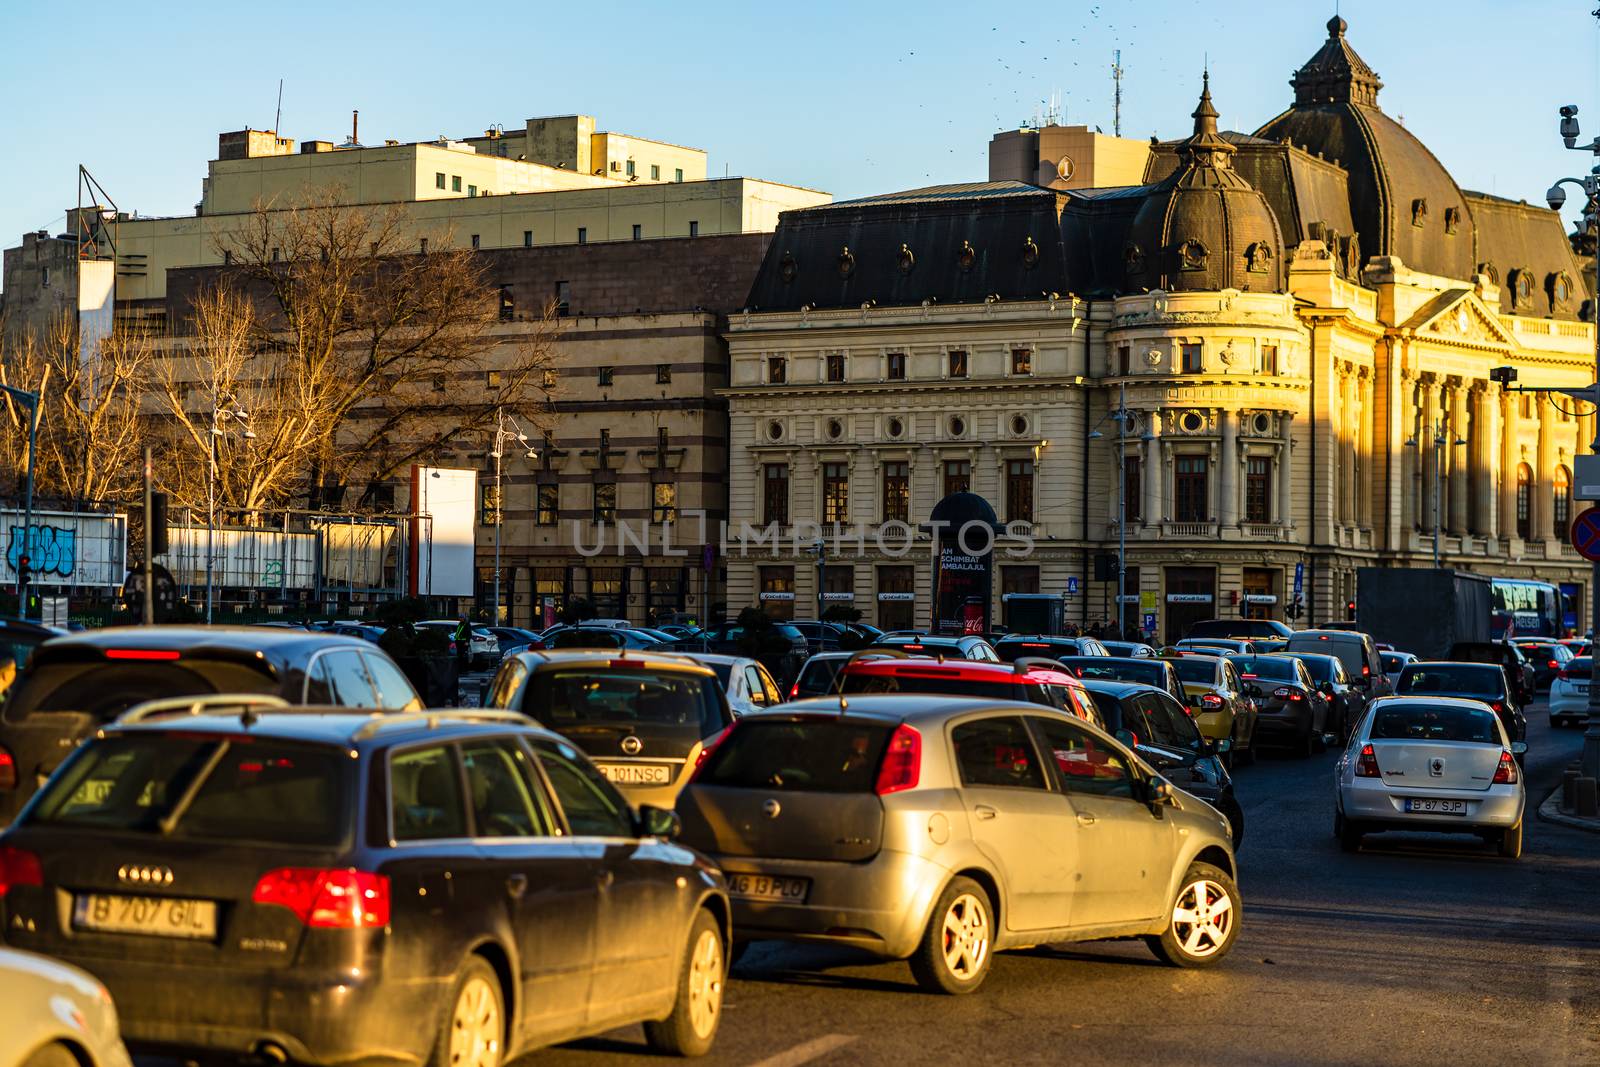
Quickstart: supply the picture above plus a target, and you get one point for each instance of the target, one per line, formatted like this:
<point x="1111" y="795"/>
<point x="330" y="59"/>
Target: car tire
<point x="54" y="1054"/>
<point x="1231" y="810"/>
<point x="473" y="1031"/>
<point x="1204" y="920"/>
<point x="958" y="945"/>
<point x="1511" y="842"/>
<point x="697" y="1010"/>
<point x="1349" y="832"/>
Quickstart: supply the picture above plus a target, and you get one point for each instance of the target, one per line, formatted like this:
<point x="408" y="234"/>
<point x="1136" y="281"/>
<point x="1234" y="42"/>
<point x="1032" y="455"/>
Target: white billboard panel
<point x="66" y="548"/>
<point x="246" y="559"/>
<point x="97" y="280"/>
<point x="444" y="545"/>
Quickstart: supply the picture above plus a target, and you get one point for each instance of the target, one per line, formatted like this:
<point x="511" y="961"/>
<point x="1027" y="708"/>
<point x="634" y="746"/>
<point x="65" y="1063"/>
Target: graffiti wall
<point x="66" y="549"/>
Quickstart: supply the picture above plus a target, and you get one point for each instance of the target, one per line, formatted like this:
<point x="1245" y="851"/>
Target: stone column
<point x="1285" y="496"/>
<point x="1408" y="460"/>
<point x="1544" y="497"/>
<point x="1509" y="429"/>
<point x="1154" y="471"/>
<point x="1228" y="474"/>
<point x="1480" y="448"/>
<point x="1212" y="479"/>
<point x="1426" y="453"/>
<point x="1348" y="429"/>
<point x="1457" y="514"/>
<point x="1367" y="485"/>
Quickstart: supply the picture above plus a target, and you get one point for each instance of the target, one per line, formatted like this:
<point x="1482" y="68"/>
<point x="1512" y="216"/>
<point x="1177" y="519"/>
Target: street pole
<point x="1438" y="480"/>
<point x="1591" y="734"/>
<point x="1122" y="506"/>
<point x="211" y="514"/>
<point x="32" y="400"/>
<point x="499" y="505"/>
<point x="147" y="614"/>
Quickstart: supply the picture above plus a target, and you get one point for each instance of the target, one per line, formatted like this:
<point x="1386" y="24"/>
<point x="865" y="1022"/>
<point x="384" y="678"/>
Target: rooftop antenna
<point x="1116" y="96"/>
<point x="277" y="115"/>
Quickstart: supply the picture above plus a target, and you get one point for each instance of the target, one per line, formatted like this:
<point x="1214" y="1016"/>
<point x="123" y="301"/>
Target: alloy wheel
<point x="1202" y="918"/>
<point x="475" y="1027"/>
<point x="966" y="937"/>
<point x="705" y="983"/>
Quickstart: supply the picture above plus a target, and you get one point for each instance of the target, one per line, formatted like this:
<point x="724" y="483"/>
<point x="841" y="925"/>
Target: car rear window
<point x="105" y="689"/>
<point x="1196" y="670"/>
<point x="1390" y="661"/>
<point x="807" y="756"/>
<point x="590" y="638"/>
<point x="217" y="789"/>
<point x="1011" y="649"/>
<point x="1485" y="680"/>
<point x="943" y="685"/>
<point x="1348" y="650"/>
<point x="1279" y="670"/>
<point x="1147" y="672"/>
<point x="586" y="696"/>
<point x="1319" y="667"/>
<point x="1580" y="665"/>
<point x="1416" y="721"/>
<point x="818" y="676"/>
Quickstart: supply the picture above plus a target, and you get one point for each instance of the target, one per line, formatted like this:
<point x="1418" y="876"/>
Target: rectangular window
<point x="605" y="375"/>
<point x="563" y="297"/>
<point x="630" y="169"/>
<point x="583" y="235"/>
<point x="455" y="183"/>
<point x="44" y="277"/>
<point x="1019" y="580"/>
<point x="548" y="504"/>
<point x="1189" y="489"/>
<point x="1258" y="489"/>
<point x="227" y="257"/>
<point x="472" y="190"/>
<point x="1191" y="359"/>
<point x="896" y="492"/>
<point x="677" y="174"/>
<point x="663" y="441"/>
<point x="527" y="238"/>
<point x="835" y="363"/>
<point x="438" y="180"/>
<point x="957" y="476"/>
<point x="491" y="504"/>
<point x="655" y="172"/>
<point x="664" y="502"/>
<point x="663" y="373"/>
<point x="605" y="502"/>
<point x="840" y="582"/>
<point x="474" y="240"/>
<point x="1131" y="488"/>
<point x="895" y="366"/>
<point x="608" y="589"/>
<point x="508" y="304"/>
<point x="897" y="588"/>
<point x="1269" y="359"/>
<point x="835" y="493"/>
<point x="777" y="591"/>
<point x="1124" y="359"/>
<point x="549" y="379"/>
<point x="694" y="227"/>
<point x="605" y="441"/>
<point x="777" y="370"/>
<point x="958" y="365"/>
<point x="638" y="231"/>
<point x="1022" y="361"/>
<point x="775" y="494"/>
<point x="1019" y="490"/>
<point x="424" y="246"/>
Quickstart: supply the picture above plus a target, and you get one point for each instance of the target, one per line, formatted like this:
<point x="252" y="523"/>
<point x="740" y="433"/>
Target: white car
<point x="747" y="683"/>
<point x="1569" y="693"/>
<point x="54" y="1015"/>
<point x="1393" y="664"/>
<point x="1430" y="765"/>
<point x="483" y="647"/>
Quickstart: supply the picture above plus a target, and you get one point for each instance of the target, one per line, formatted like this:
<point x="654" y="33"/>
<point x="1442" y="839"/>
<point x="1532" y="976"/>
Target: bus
<point x="1526" y="608"/>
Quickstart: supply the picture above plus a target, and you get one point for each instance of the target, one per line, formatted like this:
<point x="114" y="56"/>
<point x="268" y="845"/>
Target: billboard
<point x="66" y="549"/>
<point x="444" y="538"/>
<point x="96" y="300"/>
<point x="246" y="559"/>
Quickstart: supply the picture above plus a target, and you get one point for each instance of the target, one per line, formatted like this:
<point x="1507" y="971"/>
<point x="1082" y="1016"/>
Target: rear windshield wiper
<point x="169" y="821"/>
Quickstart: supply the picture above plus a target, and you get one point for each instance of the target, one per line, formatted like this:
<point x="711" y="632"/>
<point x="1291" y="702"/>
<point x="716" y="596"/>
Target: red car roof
<point x="972" y="670"/>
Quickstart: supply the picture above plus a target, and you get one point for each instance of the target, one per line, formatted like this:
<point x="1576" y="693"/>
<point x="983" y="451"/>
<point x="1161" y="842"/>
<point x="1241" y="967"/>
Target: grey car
<point x="940" y="830"/>
<point x="54" y="1015"/>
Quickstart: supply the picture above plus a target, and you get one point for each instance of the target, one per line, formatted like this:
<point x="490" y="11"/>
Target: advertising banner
<point x="66" y="549"/>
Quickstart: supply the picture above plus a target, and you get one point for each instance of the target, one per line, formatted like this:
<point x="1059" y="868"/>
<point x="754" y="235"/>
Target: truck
<point x="1422" y="610"/>
<point x="1033" y="613"/>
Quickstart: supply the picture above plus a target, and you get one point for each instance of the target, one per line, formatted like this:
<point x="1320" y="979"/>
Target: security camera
<point x="1555" y="196"/>
<point x="1503" y="375"/>
<point x="1569" y="125"/>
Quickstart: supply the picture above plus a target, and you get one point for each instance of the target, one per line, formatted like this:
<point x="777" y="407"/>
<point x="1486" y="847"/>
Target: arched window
<point x="1524" y="501"/>
<point x="1562" y="504"/>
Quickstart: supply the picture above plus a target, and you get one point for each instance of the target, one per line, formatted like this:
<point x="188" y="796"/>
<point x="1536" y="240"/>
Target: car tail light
<point x="18" y="867"/>
<point x="331" y="899"/>
<point x="708" y="748"/>
<point x="8" y="770"/>
<point x="1283" y="692"/>
<point x="141" y="653"/>
<point x="1554" y="664"/>
<point x="1498" y="706"/>
<point x="1212" y="700"/>
<point x="1505" y="772"/>
<point x="1367" y="763"/>
<point x="794" y="691"/>
<point x="902" y="762"/>
<point x="1249" y="677"/>
<point x="1365" y="670"/>
<point x="1565" y="676"/>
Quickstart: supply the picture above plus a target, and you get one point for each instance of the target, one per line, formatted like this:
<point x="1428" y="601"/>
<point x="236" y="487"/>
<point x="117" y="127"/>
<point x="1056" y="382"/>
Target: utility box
<point x="1422" y="610"/>
<point x="1033" y="613"/>
<point x="1586" y="477"/>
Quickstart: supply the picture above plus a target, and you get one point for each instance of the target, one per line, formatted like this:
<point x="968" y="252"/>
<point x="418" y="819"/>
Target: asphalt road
<point x="1417" y="950"/>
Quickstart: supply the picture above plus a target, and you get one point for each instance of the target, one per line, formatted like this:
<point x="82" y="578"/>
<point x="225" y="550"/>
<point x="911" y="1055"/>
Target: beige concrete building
<point x="1288" y="351"/>
<point x="1066" y="157"/>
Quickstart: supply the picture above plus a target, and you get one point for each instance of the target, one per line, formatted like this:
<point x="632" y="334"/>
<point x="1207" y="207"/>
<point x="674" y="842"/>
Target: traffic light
<point x="158" y="524"/>
<point x="24" y="570"/>
<point x="1350" y="609"/>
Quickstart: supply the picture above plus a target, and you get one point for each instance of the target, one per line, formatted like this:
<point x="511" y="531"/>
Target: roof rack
<point x="1024" y="664"/>
<point x="199" y="705"/>
<point x="432" y="718"/>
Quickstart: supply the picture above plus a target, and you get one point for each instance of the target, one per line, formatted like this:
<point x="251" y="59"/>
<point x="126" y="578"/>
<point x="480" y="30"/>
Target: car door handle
<point x="984" y="811"/>
<point x="1085" y="819"/>
<point x="604" y="879"/>
<point x="516" y="885"/>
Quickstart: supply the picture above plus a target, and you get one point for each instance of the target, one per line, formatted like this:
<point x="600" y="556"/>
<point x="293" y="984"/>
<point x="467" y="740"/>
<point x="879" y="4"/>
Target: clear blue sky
<point x="853" y="98"/>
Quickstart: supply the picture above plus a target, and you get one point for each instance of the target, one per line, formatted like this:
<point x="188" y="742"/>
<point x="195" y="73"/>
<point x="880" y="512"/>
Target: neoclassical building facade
<point x="1266" y="367"/>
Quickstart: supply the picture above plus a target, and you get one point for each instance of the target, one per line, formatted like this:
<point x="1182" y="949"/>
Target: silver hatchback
<point x="941" y="830"/>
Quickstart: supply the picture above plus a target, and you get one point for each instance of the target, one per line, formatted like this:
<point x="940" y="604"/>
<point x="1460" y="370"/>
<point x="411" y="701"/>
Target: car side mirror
<point x="1326" y="689"/>
<point x="1223" y="746"/>
<point x="659" y="822"/>
<point x="1252" y="690"/>
<point x="1158" y="790"/>
<point x="1128" y="738"/>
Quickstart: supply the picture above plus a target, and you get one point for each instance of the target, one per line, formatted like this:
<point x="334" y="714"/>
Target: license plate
<point x="155" y="916"/>
<point x="1581" y="688"/>
<point x="1436" y="807"/>
<point x="637" y="773"/>
<point x="768" y="887"/>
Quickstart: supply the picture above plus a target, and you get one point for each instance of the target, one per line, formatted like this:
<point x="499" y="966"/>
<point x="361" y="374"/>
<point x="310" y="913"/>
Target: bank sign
<point x="65" y="549"/>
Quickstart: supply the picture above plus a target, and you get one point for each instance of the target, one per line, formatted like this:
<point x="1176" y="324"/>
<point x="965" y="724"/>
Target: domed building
<point x="1247" y="357"/>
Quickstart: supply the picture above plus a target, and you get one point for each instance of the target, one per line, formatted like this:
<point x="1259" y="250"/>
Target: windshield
<point x="1453" y="678"/>
<point x="1391" y="661"/>
<point x="1149" y="672"/>
<point x="943" y="685"/>
<point x="1278" y="670"/>
<point x="1416" y="721"/>
<point x="818" y="676"/>
<point x="580" y="696"/>
<point x="723" y="671"/>
<point x="106" y="689"/>
<point x="814" y="756"/>
<point x="218" y="789"/>
<point x="591" y="637"/>
<point x="1201" y="671"/>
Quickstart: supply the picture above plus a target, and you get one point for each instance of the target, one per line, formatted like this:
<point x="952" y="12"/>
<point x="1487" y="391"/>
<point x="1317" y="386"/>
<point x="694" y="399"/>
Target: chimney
<point x="355" y="121"/>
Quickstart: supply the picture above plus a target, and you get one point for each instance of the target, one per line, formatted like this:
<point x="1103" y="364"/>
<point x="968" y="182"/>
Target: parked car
<point x="1519" y="672"/>
<point x="586" y="636"/>
<point x="967" y="647"/>
<point x="54" y="1015"/>
<point x="1393" y="664"/>
<point x="1347" y="702"/>
<point x="728" y="639"/>
<point x="1041" y="682"/>
<point x="356" y="629"/>
<point x="1129" y="649"/>
<point x="744" y="681"/>
<point x="644" y="719"/>
<point x="1216" y="646"/>
<point x="514" y="638"/>
<point x="1433" y="764"/>
<point x="18" y="639"/>
<point x="816" y="676"/>
<point x="1290" y="709"/>
<point x="1014" y="646"/>
<point x="1355" y="650"/>
<point x="76" y="684"/>
<point x="941" y="830"/>
<point x="1267" y="645"/>
<point x="1484" y="682"/>
<point x="1161" y="731"/>
<point x="1569" y="695"/>
<point x="1239" y="628"/>
<point x="1156" y="672"/>
<point x="1222" y="709"/>
<point x="483" y="649"/>
<point x="1547" y="658"/>
<point x="425" y="888"/>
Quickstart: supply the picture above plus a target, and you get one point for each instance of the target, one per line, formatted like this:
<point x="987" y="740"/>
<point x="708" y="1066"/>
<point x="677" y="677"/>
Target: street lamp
<point x="501" y="436"/>
<point x="32" y="400"/>
<point x="220" y="414"/>
<point x="1440" y="440"/>
<point x="1121" y="414"/>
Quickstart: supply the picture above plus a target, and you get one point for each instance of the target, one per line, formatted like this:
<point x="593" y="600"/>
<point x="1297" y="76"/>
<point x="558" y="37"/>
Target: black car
<point x="321" y="887"/>
<point x="1161" y="731"/>
<point x="1519" y="672"/>
<point x="1473" y="681"/>
<point x="1157" y="672"/>
<point x="18" y="639"/>
<point x="581" y="636"/>
<point x="816" y="677"/>
<point x="1290" y="709"/>
<point x="1547" y="658"/>
<point x="1347" y="701"/>
<point x="782" y="649"/>
<point x="1238" y="628"/>
<point x="967" y="647"/>
<point x="1013" y="647"/>
<point x="76" y="684"/>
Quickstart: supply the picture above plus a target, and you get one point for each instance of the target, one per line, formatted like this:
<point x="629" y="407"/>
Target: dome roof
<point x="958" y="509"/>
<point x="1203" y="227"/>
<point x="1402" y="200"/>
